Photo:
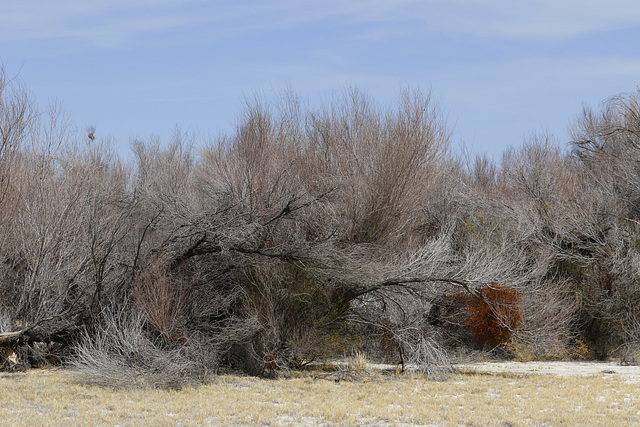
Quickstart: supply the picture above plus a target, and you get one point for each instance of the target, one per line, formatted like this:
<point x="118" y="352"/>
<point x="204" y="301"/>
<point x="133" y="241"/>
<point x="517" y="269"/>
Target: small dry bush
<point x="629" y="353"/>
<point x="546" y="333"/>
<point x="424" y="355"/>
<point x="357" y="362"/>
<point x="121" y="352"/>
<point x="409" y="341"/>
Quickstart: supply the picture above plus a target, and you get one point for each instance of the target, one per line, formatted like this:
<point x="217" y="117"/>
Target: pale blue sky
<point x="501" y="70"/>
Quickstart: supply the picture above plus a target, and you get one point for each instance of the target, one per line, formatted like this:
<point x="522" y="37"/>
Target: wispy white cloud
<point x="90" y="22"/>
<point x="540" y="19"/>
<point x="120" y="21"/>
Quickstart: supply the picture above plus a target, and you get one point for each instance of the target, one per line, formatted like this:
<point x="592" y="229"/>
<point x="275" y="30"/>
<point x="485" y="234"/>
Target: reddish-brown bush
<point x="484" y="319"/>
<point x="493" y="316"/>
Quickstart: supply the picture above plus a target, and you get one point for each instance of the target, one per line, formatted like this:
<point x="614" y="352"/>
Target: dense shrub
<point x="485" y="318"/>
<point x="494" y="315"/>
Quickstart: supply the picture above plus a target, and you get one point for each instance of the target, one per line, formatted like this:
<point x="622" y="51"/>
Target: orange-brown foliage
<point x="493" y="316"/>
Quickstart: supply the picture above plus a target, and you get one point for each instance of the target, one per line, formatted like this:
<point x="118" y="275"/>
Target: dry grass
<point x="53" y="398"/>
<point x="357" y="362"/>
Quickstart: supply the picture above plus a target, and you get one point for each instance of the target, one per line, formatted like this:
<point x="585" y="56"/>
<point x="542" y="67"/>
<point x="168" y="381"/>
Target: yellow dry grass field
<point x="55" y="398"/>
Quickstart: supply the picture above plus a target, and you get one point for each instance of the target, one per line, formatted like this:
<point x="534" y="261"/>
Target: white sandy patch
<point x="630" y="373"/>
<point x="561" y="368"/>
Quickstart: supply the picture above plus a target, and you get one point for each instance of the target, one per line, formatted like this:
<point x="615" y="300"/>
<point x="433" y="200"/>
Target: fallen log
<point x="10" y="338"/>
<point x="48" y="330"/>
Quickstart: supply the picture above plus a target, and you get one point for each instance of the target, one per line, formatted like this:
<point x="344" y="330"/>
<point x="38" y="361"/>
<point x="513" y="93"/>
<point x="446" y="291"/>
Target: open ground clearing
<point x="560" y="368"/>
<point x="559" y="393"/>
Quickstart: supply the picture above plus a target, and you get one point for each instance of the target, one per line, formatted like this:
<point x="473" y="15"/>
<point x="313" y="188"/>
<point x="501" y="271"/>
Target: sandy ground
<point x="630" y="373"/>
<point x="560" y="368"/>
